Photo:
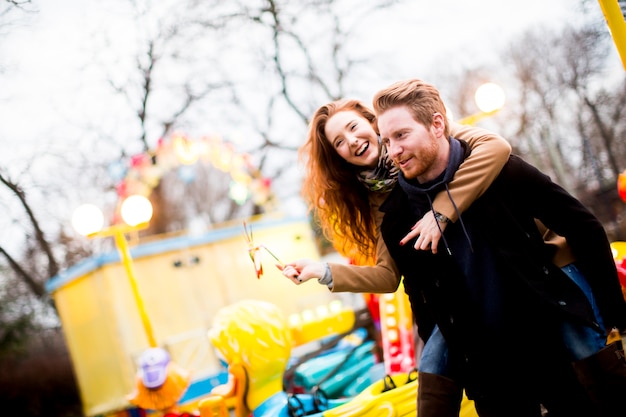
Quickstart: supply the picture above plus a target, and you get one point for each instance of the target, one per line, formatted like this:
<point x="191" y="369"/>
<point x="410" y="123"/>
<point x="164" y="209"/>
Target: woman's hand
<point x="427" y="232"/>
<point x="302" y="270"/>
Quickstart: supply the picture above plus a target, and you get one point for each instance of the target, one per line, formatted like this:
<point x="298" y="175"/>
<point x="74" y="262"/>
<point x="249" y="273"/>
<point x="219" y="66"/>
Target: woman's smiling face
<point x="354" y="138"/>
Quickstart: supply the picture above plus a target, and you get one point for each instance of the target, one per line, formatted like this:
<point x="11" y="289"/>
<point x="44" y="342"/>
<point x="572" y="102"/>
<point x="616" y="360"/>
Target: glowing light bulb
<point x="489" y="97"/>
<point x="87" y="219"/>
<point x="136" y="209"/>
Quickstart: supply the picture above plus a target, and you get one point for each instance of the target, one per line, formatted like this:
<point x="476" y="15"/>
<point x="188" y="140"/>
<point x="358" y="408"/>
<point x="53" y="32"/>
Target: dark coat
<point x="498" y="285"/>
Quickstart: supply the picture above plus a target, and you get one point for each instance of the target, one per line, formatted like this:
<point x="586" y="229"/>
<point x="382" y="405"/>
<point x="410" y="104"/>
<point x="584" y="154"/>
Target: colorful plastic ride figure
<point x="255" y="341"/>
<point x="160" y="382"/>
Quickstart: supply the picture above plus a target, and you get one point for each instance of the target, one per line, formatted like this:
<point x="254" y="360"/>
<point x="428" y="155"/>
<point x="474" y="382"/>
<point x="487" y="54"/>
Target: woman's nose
<point x="352" y="140"/>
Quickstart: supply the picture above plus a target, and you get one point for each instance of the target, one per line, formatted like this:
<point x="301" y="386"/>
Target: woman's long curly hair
<point x="332" y="190"/>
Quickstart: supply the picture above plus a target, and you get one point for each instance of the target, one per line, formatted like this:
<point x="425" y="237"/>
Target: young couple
<point x="517" y="320"/>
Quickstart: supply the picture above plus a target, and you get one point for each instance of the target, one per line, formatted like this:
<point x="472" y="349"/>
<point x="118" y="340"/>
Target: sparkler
<point x="255" y="251"/>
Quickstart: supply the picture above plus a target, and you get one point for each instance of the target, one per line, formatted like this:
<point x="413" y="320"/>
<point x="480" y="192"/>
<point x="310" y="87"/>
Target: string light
<point x="144" y="171"/>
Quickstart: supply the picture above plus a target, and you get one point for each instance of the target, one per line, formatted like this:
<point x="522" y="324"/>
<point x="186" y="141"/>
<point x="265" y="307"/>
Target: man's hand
<point x="427" y="233"/>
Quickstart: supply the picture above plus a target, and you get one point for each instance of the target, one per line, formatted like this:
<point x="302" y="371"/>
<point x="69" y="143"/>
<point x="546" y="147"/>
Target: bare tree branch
<point x="44" y="245"/>
<point x="36" y="287"/>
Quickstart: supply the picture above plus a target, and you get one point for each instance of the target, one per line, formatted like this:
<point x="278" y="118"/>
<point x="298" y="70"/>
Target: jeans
<point x="580" y="341"/>
<point x="434" y="359"/>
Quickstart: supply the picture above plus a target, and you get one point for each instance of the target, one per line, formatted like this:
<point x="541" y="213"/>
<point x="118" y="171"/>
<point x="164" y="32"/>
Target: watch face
<point x="441" y="218"/>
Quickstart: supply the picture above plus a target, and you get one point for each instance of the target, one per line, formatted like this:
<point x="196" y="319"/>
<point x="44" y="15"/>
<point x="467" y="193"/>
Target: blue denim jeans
<point x="580" y="341"/>
<point x="434" y="359"/>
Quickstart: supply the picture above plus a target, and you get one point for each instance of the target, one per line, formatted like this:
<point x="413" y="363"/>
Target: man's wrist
<point x="441" y="218"/>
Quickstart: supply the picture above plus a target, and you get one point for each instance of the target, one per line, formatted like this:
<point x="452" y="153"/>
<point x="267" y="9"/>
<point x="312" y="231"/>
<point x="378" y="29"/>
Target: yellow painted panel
<point x="287" y="242"/>
<point x="97" y="355"/>
<point x="181" y="289"/>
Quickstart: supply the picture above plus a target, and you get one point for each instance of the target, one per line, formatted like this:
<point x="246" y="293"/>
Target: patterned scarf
<point x="383" y="177"/>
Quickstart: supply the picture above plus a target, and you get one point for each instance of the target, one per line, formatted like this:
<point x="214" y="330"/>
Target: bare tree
<point x="566" y="113"/>
<point x="34" y="283"/>
<point x="300" y="69"/>
<point x="305" y="57"/>
<point x="10" y="7"/>
<point x="570" y="117"/>
<point x="281" y="51"/>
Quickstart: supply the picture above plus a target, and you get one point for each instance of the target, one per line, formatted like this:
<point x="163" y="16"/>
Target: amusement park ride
<point x="140" y="346"/>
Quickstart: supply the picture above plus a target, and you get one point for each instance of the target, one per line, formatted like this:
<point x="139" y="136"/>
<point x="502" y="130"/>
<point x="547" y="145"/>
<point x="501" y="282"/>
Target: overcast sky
<point x="42" y="60"/>
<point x="51" y="46"/>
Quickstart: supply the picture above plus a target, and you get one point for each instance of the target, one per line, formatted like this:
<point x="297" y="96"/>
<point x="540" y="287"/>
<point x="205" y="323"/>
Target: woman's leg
<point x="582" y="341"/>
<point x="600" y="369"/>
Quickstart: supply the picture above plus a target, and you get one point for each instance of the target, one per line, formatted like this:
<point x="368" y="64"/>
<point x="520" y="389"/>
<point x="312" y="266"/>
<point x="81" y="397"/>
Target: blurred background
<point x="202" y="106"/>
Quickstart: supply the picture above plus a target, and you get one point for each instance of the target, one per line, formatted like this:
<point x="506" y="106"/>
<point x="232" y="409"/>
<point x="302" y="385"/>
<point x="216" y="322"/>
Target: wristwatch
<point x="441" y="218"/>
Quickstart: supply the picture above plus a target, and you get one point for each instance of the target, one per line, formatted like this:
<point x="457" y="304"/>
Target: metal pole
<point x="616" y="20"/>
<point x="122" y="246"/>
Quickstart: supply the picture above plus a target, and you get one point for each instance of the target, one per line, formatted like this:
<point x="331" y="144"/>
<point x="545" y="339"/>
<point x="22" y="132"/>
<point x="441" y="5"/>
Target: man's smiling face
<point x="413" y="147"/>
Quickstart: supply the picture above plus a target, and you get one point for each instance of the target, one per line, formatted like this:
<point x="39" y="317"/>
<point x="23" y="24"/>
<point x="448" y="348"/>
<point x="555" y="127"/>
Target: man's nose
<point x="393" y="150"/>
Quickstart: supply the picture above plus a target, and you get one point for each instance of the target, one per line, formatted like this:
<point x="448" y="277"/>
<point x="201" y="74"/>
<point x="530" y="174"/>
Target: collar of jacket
<point x="419" y="197"/>
<point x="458" y="152"/>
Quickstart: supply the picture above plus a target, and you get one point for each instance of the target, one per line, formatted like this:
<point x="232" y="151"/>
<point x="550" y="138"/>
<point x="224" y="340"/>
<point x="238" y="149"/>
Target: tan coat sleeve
<point x="489" y="154"/>
<point x="383" y="277"/>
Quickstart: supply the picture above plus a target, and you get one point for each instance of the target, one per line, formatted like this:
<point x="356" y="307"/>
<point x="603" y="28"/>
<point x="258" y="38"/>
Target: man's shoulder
<point x="516" y="162"/>
<point x="517" y="169"/>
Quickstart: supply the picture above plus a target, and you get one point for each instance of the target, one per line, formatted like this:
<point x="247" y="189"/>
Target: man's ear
<point x="438" y="126"/>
